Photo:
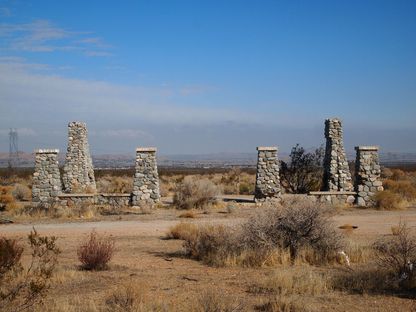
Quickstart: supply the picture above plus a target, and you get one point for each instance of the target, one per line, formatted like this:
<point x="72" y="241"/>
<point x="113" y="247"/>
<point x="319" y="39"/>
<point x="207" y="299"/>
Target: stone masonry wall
<point x="46" y="179"/>
<point x="267" y="175"/>
<point x="146" y="179"/>
<point x="337" y="176"/>
<point x="367" y="175"/>
<point x="78" y="174"/>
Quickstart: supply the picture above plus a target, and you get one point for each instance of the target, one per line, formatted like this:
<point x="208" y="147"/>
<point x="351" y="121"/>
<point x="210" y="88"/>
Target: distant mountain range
<point x="198" y="160"/>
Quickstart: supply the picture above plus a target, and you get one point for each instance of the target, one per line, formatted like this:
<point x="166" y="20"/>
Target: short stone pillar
<point x="337" y="175"/>
<point x="78" y="176"/>
<point x="367" y="175"/>
<point x="146" y="178"/>
<point x="46" y="185"/>
<point x="267" y="175"/>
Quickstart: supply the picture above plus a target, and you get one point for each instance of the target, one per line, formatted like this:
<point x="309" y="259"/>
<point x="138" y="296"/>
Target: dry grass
<point x="115" y="184"/>
<point x="285" y="304"/>
<point x="212" y="301"/>
<point x="358" y="252"/>
<point x="188" y="214"/>
<point x="6" y="198"/>
<point x="298" y="280"/>
<point x="185" y="231"/>
<point x="129" y="297"/>
<point x="390" y="201"/>
<point x="362" y="280"/>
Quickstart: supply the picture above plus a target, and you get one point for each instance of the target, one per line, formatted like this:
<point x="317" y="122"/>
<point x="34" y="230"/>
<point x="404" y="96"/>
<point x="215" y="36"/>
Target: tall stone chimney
<point x="78" y="176"/>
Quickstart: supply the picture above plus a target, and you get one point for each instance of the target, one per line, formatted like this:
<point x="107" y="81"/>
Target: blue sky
<point x="208" y="76"/>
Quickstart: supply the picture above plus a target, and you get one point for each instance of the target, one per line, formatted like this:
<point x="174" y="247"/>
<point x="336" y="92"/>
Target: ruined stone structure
<point x="267" y="175"/>
<point x="146" y="179"/>
<point x="78" y="174"/>
<point x="367" y="175"/>
<point x="46" y="178"/>
<point x="337" y="176"/>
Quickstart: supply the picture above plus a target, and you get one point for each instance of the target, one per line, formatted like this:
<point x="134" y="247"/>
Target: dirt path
<point x="369" y="222"/>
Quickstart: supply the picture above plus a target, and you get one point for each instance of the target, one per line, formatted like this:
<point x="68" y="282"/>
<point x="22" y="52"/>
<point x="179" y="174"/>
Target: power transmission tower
<point x="13" y="148"/>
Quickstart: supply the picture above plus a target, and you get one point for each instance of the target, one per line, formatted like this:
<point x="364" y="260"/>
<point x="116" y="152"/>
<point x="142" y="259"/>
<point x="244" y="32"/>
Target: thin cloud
<point x="124" y="133"/>
<point x="6" y="12"/>
<point x="44" y="36"/>
<point x="49" y="96"/>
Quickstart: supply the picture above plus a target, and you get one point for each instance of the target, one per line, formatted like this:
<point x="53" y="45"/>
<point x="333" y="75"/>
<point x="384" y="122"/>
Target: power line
<point x="13" y="148"/>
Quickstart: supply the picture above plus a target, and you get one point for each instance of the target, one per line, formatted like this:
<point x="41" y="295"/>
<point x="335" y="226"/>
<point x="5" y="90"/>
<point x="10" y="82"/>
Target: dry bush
<point x="404" y="188"/>
<point x="10" y="254"/>
<point x="304" y="171"/>
<point x="20" y="287"/>
<point x="6" y="198"/>
<point x="195" y="193"/>
<point x="21" y="192"/>
<point x="389" y="200"/>
<point x="296" y="227"/>
<point x="294" y="281"/>
<point x="115" y="184"/>
<point x="95" y="252"/>
<point x="128" y="297"/>
<point x="386" y="173"/>
<point x="301" y="233"/>
<point x="185" y="231"/>
<point x="398" y="254"/>
<point x="398" y="174"/>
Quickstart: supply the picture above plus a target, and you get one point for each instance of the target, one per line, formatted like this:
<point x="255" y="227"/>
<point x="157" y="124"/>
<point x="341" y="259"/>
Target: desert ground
<point x="168" y="278"/>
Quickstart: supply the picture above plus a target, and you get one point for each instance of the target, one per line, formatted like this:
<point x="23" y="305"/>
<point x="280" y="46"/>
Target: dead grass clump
<point x="398" y="174"/>
<point x="389" y="200"/>
<point x="359" y="252"/>
<point x="404" y="188"/>
<point x="195" y="193"/>
<point x="188" y="214"/>
<point x="211" y="301"/>
<point x="95" y="252"/>
<point x="185" y="231"/>
<point x="398" y="254"/>
<point x="7" y="200"/>
<point x="10" y="254"/>
<point x="115" y="184"/>
<point x="294" y="281"/>
<point x="284" y="304"/>
<point x="214" y="245"/>
<point x="128" y="297"/>
<point x="21" y="192"/>
<point x="362" y="280"/>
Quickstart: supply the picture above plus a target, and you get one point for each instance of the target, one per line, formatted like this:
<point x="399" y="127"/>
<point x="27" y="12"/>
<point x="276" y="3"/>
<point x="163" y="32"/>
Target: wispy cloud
<point x="195" y="89"/>
<point x="47" y="95"/>
<point x="6" y="12"/>
<point x="123" y="133"/>
<point x="44" y="36"/>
